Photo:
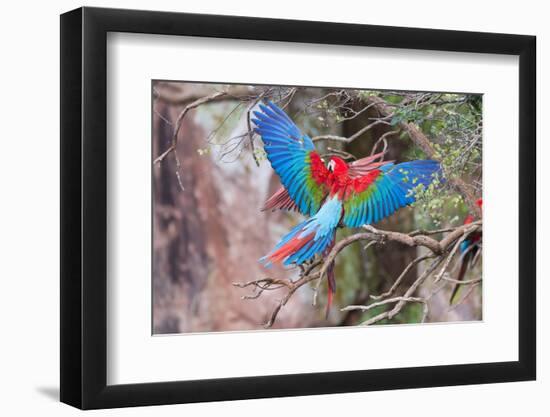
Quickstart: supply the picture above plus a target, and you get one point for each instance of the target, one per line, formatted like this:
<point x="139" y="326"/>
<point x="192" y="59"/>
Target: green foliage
<point x="407" y="115"/>
<point x="453" y="124"/>
<point x="365" y="94"/>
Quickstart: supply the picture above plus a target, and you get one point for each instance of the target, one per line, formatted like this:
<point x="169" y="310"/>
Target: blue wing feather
<point x="391" y="191"/>
<point x="289" y="152"/>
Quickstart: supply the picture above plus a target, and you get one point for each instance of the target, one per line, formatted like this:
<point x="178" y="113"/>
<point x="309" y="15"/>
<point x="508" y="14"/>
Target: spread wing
<point x="386" y="190"/>
<point x="293" y="157"/>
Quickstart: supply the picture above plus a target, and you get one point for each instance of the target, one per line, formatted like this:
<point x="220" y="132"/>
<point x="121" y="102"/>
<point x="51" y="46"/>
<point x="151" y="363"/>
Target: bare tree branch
<point x="400" y="278"/>
<point x="401" y="303"/>
<point x="292" y="286"/>
<point x="382" y="139"/>
<point x="317" y="270"/>
<point x="384" y="302"/>
<point x="202" y="100"/>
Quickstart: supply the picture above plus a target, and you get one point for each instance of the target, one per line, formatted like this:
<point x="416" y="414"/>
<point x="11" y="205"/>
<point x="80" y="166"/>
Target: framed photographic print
<point x="258" y="208"/>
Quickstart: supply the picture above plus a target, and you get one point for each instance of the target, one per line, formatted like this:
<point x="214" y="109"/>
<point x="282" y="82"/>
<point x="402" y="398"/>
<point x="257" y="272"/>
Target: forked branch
<point x="441" y="251"/>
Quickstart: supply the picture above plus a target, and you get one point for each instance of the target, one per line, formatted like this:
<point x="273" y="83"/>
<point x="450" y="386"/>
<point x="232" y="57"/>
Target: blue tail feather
<point x="320" y="229"/>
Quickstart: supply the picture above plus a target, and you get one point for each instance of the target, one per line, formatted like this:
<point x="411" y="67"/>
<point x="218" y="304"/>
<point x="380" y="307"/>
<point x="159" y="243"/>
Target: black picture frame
<point x="84" y="207"/>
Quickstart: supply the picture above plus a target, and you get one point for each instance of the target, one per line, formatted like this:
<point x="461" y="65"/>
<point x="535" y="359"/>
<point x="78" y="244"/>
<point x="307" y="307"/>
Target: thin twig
<point x="352" y="137"/>
<point x="383" y="139"/>
<point x="207" y="99"/>
<point x="384" y="302"/>
<point x="401" y="276"/>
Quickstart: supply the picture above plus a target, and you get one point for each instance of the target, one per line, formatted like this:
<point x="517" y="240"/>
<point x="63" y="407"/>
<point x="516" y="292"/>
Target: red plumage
<point x="289" y="248"/>
<point x="319" y="171"/>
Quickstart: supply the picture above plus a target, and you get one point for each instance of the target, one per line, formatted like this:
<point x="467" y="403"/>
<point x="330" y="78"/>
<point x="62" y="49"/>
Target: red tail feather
<point x="329" y="303"/>
<point x="290" y="248"/>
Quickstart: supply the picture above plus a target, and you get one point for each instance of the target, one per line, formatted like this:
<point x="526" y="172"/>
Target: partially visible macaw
<point x="469" y="248"/>
<point x="334" y="195"/>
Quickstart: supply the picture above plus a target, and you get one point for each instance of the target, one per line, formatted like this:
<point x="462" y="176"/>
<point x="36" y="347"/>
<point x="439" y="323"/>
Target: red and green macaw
<point x="333" y="195"/>
<point x="469" y="248"/>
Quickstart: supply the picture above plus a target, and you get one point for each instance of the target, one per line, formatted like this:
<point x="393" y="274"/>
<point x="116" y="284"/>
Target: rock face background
<point x="212" y="233"/>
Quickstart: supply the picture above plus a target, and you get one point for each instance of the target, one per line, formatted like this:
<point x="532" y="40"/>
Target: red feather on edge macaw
<point x="469" y="248"/>
<point x="332" y="195"/>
